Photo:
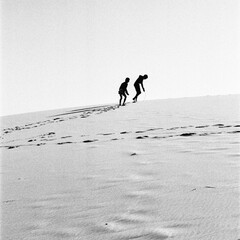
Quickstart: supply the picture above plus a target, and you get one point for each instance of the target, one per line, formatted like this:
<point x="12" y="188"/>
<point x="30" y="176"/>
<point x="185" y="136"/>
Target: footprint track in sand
<point x="85" y="141"/>
<point x="43" y="137"/>
<point x="81" y="113"/>
<point x="51" y="136"/>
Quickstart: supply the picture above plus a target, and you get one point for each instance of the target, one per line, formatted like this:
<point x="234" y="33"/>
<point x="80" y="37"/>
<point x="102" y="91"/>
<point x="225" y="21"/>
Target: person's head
<point x="145" y="76"/>
<point x="127" y="80"/>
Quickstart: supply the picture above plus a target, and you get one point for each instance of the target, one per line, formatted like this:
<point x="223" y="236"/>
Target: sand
<point x="163" y="169"/>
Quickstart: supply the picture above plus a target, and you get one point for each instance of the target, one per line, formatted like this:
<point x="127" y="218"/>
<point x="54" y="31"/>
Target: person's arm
<point x="142" y="87"/>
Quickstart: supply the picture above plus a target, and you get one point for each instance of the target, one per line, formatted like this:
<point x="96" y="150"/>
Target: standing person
<point x="137" y="84"/>
<point x="123" y="91"/>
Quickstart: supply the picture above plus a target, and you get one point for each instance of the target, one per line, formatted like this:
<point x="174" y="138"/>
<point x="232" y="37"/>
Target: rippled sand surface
<point x="164" y="169"/>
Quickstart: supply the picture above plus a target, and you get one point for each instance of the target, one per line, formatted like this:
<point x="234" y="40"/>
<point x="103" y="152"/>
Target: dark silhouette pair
<point x="123" y="89"/>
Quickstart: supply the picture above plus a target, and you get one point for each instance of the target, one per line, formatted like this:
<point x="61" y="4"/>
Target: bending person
<point x="137" y="84"/>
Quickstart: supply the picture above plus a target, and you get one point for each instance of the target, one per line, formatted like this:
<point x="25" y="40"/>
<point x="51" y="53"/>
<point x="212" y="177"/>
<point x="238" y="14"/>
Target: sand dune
<point x="163" y="169"/>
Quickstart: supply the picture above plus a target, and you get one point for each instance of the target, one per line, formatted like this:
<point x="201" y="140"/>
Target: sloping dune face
<point x="164" y="169"/>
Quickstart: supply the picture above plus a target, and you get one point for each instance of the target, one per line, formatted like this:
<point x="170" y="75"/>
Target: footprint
<point x="187" y="134"/>
<point x="141" y="137"/>
<point x="234" y="132"/>
<point x="218" y="125"/>
<point x="139" y="131"/>
<point x="214" y="133"/>
<point x="158" y="137"/>
<point x="105" y="134"/>
<point x="61" y="143"/>
<point x="67" y="137"/>
<point x="124" y="132"/>
<point x="11" y="147"/>
<point x="173" y="128"/>
<point x="154" y="129"/>
<point x="40" y="144"/>
<point x="203" y="134"/>
<point x="89" y="141"/>
<point x="51" y="133"/>
<point x="133" y="154"/>
<point x="202" y="126"/>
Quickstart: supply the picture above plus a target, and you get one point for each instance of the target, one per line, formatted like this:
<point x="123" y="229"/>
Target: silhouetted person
<point x="123" y="91"/>
<point x="137" y="84"/>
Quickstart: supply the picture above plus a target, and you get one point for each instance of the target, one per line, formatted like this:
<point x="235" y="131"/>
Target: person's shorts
<point x="121" y="92"/>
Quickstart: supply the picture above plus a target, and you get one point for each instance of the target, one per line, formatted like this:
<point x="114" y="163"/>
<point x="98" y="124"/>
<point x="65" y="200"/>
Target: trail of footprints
<point x="51" y="137"/>
<point x="73" y="114"/>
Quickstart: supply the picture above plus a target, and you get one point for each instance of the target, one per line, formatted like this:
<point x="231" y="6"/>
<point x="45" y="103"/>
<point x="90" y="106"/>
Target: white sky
<point x="67" y="53"/>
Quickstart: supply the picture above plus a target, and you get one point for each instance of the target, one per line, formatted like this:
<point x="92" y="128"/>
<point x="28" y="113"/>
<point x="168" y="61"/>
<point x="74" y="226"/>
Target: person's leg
<point x="136" y="88"/>
<point x="135" y="99"/>
<point x="125" y="97"/>
<point x="120" y="99"/>
<point x="138" y="92"/>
